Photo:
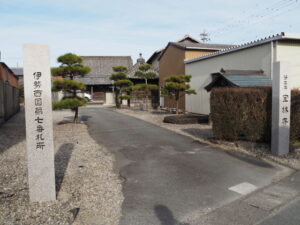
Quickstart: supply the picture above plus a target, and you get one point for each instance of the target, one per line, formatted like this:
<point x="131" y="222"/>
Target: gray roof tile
<point x="18" y="71"/>
<point x="192" y="45"/>
<point x="135" y="68"/>
<point x="243" y="79"/>
<point x="101" y="68"/>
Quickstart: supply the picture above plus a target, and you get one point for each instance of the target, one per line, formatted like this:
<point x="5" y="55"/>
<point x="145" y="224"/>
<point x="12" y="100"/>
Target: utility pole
<point x="204" y="36"/>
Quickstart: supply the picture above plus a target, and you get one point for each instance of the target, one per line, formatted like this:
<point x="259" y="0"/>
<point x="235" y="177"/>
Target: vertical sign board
<point x="39" y="127"/>
<point x="281" y="107"/>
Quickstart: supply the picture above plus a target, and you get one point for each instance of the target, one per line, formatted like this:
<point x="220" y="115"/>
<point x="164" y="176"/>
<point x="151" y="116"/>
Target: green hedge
<point x="245" y="114"/>
<point x="295" y="116"/>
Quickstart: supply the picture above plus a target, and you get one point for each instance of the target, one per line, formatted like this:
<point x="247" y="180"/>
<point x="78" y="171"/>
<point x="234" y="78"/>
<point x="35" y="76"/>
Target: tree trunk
<point x="177" y="101"/>
<point x="76" y="115"/>
<point x="146" y="92"/>
<point x="128" y="100"/>
<point x="128" y="103"/>
<point x="117" y="98"/>
<point x="146" y="102"/>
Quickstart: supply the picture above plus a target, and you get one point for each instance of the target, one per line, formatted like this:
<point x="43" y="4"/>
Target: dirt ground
<point x="88" y="191"/>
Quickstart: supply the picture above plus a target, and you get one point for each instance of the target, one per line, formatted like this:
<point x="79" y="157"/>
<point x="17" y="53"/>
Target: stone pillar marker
<point x="281" y="109"/>
<point x="39" y="127"/>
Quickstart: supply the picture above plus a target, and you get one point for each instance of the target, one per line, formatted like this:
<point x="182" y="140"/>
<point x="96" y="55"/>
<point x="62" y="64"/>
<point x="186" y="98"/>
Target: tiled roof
<point x="160" y="51"/>
<point x="189" y="38"/>
<point x="140" y="61"/>
<point x="155" y="55"/>
<point x="94" y="80"/>
<point x="18" y="71"/>
<point x="202" y="46"/>
<point x="189" y="45"/>
<point x="101" y="68"/>
<point x="9" y="77"/>
<point x="276" y="37"/>
<point x="239" y="78"/>
<point x="135" y="68"/>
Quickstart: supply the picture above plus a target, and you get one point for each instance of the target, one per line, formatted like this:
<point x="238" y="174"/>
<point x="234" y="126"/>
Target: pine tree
<point x="145" y="73"/>
<point x="176" y="86"/>
<point x="70" y="67"/>
<point x="120" y="81"/>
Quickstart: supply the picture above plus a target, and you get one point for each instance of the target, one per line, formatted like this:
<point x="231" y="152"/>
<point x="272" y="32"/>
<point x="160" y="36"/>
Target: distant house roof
<point x="202" y="46"/>
<point x="18" y="71"/>
<point x="157" y="53"/>
<point x="8" y="68"/>
<point x="135" y="68"/>
<point x="239" y="78"/>
<point x="280" y="36"/>
<point x="189" y="38"/>
<point x="191" y="45"/>
<point x="9" y="77"/>
<point x="101" y="68"/>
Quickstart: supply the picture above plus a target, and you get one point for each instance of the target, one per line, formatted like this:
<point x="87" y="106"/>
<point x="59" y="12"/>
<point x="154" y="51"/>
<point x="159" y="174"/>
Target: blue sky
<point x="128" y="27"/>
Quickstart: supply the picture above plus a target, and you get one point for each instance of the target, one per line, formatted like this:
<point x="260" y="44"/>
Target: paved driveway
<point x="169" y="178"/>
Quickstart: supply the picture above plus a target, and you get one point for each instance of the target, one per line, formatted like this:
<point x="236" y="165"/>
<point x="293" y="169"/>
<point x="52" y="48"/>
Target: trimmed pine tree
<point x="70" y="67"/>
<point x="176" y="86"/>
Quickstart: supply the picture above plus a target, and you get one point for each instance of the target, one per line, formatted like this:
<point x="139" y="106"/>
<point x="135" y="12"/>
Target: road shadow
<point x="70" y="119"/>
<point x="66" y="120"/>
<point x="62" y="158"/>
<point x="165" y="216"/>
<point x="250" y="159"/>
<point x="12" y="131"/>
<point x="85" y="118"/>
<point x="158" y="112"/>
<point x="205" y="133"/>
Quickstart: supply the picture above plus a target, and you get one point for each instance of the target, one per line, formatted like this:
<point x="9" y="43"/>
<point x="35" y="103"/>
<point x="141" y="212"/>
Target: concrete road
<point x="169" y="178"/>
<point x="289" y="215"/>
<point x="289" y="212"/>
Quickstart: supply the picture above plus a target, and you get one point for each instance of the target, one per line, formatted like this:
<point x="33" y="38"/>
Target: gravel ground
<point x="89" y="192"/>
<point x="203" y="133"/>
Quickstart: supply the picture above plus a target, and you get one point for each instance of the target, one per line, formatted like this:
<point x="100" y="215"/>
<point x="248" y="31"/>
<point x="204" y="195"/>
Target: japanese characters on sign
<point x="39" y="123"/>
<point x="281" y="105"/>
<point x="38" y="111"/>
<point x="285" y="101"/>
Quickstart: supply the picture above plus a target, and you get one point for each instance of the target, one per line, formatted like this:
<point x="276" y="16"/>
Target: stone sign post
<point x="39" y="127"/>
<point x="281" y="109"/>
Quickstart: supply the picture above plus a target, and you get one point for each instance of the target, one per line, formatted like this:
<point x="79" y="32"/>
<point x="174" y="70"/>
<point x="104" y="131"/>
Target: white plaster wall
<point x="290" y="52"/>
<point x="109" y="98"/>
<point x="57" y="96"/>
<point x="255" y="58"/>
<point x="161" y="101"/>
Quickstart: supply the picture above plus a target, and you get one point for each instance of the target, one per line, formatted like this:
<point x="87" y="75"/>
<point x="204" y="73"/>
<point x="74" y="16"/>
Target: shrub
<point x="67" y="84"/>
<point x="68" y="103"/>
<point x="120" y="82"/>
<point x="125" y="97"/>
<point x="186" y="119"/>
<point x="295" y="116"/>
<point x="245" y="114"/>
<point x="175" y="86"/>
<point x="70" y="67"/>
